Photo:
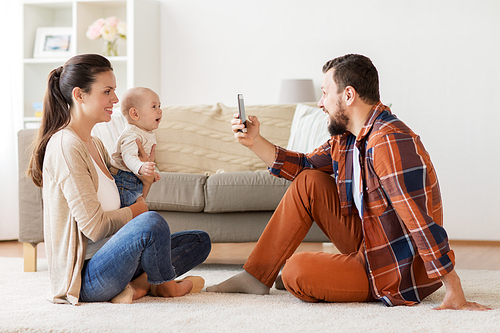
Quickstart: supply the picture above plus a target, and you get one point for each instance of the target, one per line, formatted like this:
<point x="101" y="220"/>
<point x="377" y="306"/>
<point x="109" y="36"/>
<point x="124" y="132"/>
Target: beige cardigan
<point x="72" y="212"/>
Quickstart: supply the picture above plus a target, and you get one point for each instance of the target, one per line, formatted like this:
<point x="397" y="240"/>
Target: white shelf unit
<point x="138" y="63"/>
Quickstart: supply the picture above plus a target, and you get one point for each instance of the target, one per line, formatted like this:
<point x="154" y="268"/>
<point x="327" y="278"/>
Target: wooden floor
<point x="469" y="254"/>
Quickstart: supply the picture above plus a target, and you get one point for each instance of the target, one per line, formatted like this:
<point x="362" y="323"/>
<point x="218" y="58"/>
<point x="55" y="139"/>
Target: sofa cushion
<point x="198" y="139"/>
<point x="180" y="192"/>
<point x="275" y="121"/>
<point x="109" y="132"/>
<point x="243" y="191"/>
<point x="309" y="129"/>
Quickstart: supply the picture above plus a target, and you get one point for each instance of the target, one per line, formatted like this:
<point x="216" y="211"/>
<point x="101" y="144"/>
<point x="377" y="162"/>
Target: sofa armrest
<point x="30" y="196"/>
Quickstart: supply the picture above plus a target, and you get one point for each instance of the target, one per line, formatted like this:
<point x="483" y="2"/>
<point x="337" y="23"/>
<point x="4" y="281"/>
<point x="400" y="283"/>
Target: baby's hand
<point x="157" y="176"/>
<point x="147" y="169"/>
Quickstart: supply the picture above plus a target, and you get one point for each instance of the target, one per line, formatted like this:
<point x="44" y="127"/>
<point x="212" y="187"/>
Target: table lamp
<point x="297" y="91"/>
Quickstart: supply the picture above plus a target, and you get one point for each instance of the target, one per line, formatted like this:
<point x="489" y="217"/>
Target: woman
<point x="95" y="250"/>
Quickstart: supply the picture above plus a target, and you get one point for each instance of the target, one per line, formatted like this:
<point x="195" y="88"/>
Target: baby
<point x="141" y="108"/>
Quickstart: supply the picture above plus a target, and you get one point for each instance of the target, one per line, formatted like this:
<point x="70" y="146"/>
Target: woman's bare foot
<point x="125" y="297"/>
<point x="140" y="286"/>
<point x="198" y="283"/>
<point x="173" y="288"/>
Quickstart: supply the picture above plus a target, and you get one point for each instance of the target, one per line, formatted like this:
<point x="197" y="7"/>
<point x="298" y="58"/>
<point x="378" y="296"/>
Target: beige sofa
<point x="209" y="181"/>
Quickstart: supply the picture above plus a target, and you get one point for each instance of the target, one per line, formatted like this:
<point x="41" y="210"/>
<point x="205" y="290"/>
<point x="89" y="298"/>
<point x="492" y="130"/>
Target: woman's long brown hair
<point x="79" y="71"/>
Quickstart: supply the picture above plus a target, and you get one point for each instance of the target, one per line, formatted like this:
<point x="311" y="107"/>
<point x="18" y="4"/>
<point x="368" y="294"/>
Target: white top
<point x="127" y="151"/>
<point x="108" y="196"/>
<point x="356" y="181"/>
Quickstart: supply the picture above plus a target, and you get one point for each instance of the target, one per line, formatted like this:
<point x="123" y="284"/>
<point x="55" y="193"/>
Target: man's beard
<point x="338" y="125"/>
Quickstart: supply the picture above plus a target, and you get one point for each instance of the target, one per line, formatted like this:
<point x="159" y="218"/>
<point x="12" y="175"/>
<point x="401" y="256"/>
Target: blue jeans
<point x="142" y="245"/>
<point x="129" y="187"/>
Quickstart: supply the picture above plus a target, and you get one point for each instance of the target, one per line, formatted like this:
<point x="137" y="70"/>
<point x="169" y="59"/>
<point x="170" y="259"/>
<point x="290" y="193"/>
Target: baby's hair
<point x="133" y="98"/>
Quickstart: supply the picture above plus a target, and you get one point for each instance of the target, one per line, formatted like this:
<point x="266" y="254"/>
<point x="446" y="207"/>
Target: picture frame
<point x="54" y="42"/>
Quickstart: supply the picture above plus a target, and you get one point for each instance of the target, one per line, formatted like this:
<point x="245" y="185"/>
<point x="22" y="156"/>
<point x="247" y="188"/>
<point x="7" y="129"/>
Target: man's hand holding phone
<point x="245" y="131"/>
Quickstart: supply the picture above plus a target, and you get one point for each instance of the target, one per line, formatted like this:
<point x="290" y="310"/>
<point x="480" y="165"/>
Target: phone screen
<point x="241" y="111"/>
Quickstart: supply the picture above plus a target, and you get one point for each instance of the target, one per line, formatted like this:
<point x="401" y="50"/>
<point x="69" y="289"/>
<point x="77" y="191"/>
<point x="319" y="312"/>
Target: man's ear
<point x="350" y="95"/>
<point x="77" y="95"/>
<point x="133" y="113"/>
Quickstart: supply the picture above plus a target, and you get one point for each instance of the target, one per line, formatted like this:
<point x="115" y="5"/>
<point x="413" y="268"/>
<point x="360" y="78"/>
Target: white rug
<point x="24" y="308"/>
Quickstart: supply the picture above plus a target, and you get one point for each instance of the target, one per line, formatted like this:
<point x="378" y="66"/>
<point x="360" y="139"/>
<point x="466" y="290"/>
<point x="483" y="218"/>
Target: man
<point x="382" y="207"/>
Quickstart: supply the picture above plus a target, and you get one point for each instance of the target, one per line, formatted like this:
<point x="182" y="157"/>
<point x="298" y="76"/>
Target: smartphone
<point x="241" y="112"/>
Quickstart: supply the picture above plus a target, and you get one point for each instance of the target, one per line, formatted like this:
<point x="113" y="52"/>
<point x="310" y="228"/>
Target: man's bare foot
<point x="172" y="288"/>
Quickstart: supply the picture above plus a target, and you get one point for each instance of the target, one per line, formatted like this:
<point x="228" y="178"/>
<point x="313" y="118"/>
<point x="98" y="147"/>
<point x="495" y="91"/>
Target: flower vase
<point x="110" y="48"/>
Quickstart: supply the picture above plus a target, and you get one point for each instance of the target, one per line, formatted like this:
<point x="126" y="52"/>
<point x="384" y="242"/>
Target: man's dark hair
<point x="358" y="72"/>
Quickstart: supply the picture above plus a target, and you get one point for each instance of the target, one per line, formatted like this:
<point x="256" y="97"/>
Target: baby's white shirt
<point x="127" y="151"/>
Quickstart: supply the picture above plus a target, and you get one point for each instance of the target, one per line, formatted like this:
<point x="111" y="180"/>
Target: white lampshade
<point x="297" y="91"/>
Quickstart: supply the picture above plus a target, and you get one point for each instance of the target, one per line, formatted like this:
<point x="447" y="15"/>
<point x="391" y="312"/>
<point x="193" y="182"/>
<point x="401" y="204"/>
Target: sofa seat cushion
<point x="243" y="191"/>
<point x="181" y="192"/>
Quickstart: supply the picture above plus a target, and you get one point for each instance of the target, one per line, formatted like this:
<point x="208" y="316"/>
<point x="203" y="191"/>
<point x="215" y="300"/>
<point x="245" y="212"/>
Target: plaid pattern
<point x="406" y="247"/>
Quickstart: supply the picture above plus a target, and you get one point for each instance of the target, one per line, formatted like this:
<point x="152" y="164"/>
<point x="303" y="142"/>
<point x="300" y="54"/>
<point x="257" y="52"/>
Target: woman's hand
<point x="139" y="207"/>
<point x="146" y="180"/>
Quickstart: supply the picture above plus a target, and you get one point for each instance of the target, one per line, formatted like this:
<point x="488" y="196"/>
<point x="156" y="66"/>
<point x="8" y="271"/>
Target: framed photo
<point x="54" y="42"/>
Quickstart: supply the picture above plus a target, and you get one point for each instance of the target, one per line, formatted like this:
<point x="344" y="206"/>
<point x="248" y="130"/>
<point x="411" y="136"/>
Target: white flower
<point x="109" y="33"/>
<point x="122" y="28"/>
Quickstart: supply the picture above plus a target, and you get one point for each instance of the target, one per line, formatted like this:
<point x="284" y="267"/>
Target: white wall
<point x="437" y="61"/>
<point x="10" y="67"/>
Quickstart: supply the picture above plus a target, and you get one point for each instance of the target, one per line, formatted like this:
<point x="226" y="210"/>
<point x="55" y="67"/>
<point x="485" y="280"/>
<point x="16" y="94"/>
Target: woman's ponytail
<point x="55" y="106"/>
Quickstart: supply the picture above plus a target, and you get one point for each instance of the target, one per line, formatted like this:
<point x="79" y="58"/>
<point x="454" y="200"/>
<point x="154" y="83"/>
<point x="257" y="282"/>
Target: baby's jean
<point x="129" y="187"/>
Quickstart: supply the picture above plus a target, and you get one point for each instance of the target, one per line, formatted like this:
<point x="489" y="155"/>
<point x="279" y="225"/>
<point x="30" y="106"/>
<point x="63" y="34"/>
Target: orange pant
<point x="310" y="276"/>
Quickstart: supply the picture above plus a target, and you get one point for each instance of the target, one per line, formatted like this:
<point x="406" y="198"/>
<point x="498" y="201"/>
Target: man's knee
<point x="313" y="178"/>
<point x="295" y="276"/>
<point x="315" y="185"/>
<point x="293" y="271"/>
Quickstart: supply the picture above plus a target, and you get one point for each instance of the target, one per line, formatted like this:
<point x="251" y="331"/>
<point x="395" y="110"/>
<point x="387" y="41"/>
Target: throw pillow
<point x="309" y="129"/>
<point x="110" y="131"/>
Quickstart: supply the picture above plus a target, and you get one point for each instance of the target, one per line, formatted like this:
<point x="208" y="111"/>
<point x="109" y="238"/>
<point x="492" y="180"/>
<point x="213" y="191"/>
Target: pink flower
<point x="94" y="31"/>
<point x="112" y="21"/>
<point x="109" y="29"/>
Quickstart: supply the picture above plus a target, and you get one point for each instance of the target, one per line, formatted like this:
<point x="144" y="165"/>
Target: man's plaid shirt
<point x="406" y="247"/>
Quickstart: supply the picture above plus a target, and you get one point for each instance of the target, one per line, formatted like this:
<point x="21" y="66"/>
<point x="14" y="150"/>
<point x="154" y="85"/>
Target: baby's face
<point x="149" y="111"/>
